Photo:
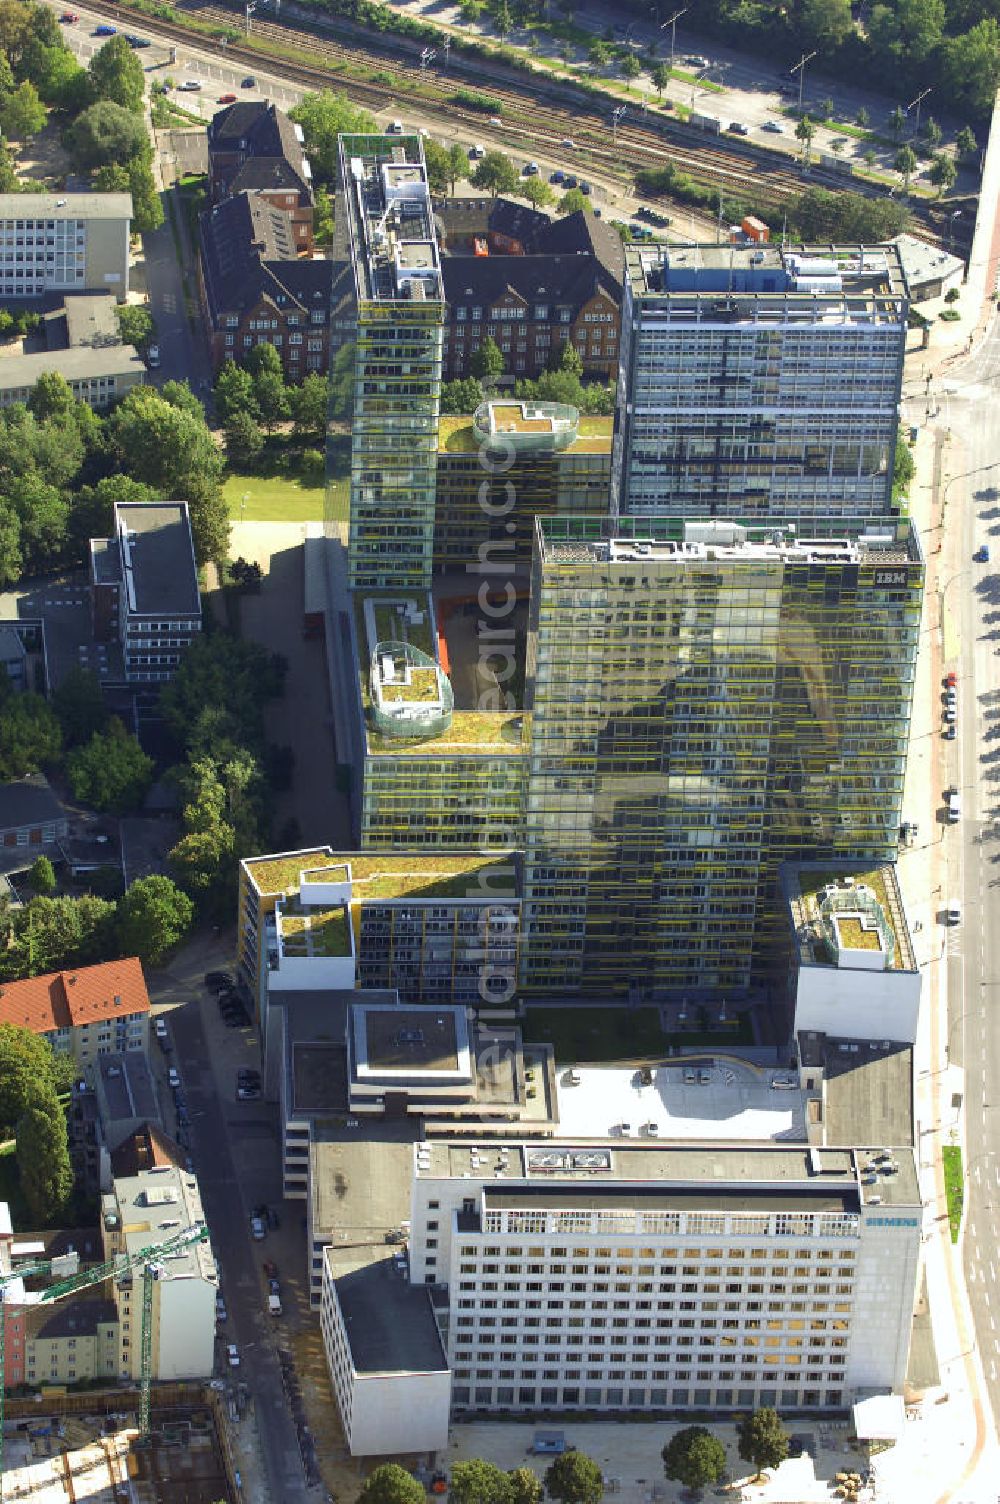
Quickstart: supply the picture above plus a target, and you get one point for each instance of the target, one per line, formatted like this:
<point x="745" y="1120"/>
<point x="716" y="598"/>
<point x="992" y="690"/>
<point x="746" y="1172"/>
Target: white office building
<point x="71" y="242"/>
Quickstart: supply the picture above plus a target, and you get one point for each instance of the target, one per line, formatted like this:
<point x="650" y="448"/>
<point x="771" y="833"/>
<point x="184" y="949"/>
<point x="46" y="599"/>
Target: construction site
<point x="99" y="1458"/>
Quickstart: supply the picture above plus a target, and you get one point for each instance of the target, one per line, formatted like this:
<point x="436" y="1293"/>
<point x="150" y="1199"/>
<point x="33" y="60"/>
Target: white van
<point x="954" y="803"/>
<point x="274" y="1305"/>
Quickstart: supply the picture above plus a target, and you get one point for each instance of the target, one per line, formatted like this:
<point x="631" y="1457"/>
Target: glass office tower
<point x="384" y="206"/>
<point x="709" y="699"/>
<point x="758" y="381"/>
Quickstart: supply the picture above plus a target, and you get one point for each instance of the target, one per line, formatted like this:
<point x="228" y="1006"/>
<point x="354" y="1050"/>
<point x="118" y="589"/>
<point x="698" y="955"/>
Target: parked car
<point x="270" y="1269"/>
<point x="570" y="180"/>
<point x="568" y="144"/>
<point x="190" y="85"/>
<point x="226" y="99"/>
<point x="274" y="1305"/>
<point x="69" y="17"/>
<point x="557" y="177"/>
<point x="585" y="189"/>
<point x="160" y="1028"/>
<point x="530" y="169"/>
<point x="736" y="129"/>
<point x="983" y="554"/>
<point x="221" y="1313"/>
<point x="137" y="42"/>
<point x="218" y="979"/>
<point x="258" y="1229"/>
<point x="773" y="128"/>
<point x="173" y="1078"/>
<point x="233" y="1355"/>
<point x="950" y="713"/>
<point x="105" y="31"/>
<point x="274" y="1287"/>
<point x="950" y="679"/>
<point x="950" y="733"/>
<point x="249" y="82"/>
<point x="954" y="912"/>
<point x="245" y="1093"/>
<point x="476" y="153"/>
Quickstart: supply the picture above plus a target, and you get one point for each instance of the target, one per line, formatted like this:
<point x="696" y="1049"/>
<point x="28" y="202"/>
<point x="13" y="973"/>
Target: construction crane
<point x="69" y="1280"/>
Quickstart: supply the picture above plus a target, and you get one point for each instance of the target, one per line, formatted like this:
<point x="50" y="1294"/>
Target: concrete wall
<point x="884" y="1294"/>
<point x="394" y="1413"/>
<point x="107" y="257"/>
<point x="184" y="1332"/>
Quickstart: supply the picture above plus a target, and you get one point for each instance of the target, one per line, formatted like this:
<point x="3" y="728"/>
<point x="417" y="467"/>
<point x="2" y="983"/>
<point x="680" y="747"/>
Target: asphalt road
<point x="183" y="355"/>
<point x="968" y="399"/>
<point x="225" y="1139"/>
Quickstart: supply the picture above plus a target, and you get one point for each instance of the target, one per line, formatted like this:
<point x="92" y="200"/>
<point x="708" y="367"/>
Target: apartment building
<point x="86" y="1013"/>
<point x="436" y="928"/>
<point x="256" y="288"/>
<point x="144" y="588"/>
<point x="97" y="376"/>
<point x="139" y="1212"/>
<point x="760" y="381"/>
<point x="71" y="1343"/>
<point x="507" y="464"/>
<point x="72" y="242"/>
<point x="32" y="818"/>
<point x="708" y="700"/>
<point x="253" y="147"/>
<point x="385" y="229"/>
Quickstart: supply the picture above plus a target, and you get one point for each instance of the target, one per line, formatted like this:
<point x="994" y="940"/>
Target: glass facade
<point x="701" y="714"/>
<point x="445" y="798"/>
<point x="776" y="398"/>
<point x="384" y="204"/>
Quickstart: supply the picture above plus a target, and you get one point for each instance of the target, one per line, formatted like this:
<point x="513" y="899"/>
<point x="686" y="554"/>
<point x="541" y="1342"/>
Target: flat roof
<point x="410" y="1041"/>
<point x="753" y="282"/>
<point x="457" y="436"/>
<point x="127" y="1083"/>
<point x="360" y="1181"/>
<point x="390" y="1323"/>
<point x="687" y="542"/>
<point x="84" y="363"/>
<point x="819" y="1198"/>
<point x="65" y="205"/>
<point x="157" y="1205"/>
<point x="868" y="1088"/>
<point x="390" y="221"/>
<point x="738" y="1101"/>
<point x="319" y="1078"/>
<point x="163" y="570"/>
<point x="383" y="877"/>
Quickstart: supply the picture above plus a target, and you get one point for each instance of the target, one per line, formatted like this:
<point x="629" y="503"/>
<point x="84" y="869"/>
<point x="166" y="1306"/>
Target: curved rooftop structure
<point x="526" y="426"/>
<point x="410" y="693"/>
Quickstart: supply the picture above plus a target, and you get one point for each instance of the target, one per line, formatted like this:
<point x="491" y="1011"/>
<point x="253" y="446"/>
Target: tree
<point x="92" y="511"/>
<point x="309" y="403"/>
<point x="599" y="54"/>
<point x="479" y="1482"/>
<point x="487" y="362"/>
<point x="107" y="133"/>
<point x="503" y="21"/>
<point x="907" y="33"/>
<point x="804" y="132"/>
<point x="234" y="392"/>
<point x="965" y="142"/>
<point x="660" y="76"/>
<point x="971" y="67"/>
<point x="391" y="1484"/>
<point x="630" y="67"/>
<point x="495" y="173"/>
<point x="526" y="1486"/>
<point x="567" y="358"/>
<point x="153" y="916"/>
<point x="111" y="772"/>
<point x="272" y="398"/>
<point x="263" y="359"/>
<point x="11" y="560"/>
<point x="54" y="934"/>
<point x="26" y="1061"/>
<point x="863" y="118"/>
<point x="29" y="735"/>
<point x="825" y="24"/>
<point x="22" y="113"/>
<point x="905" y="163"/>
<point x="147" y="208"/>
<point x="537" y="192"/>
<point x="903" y="468"/>
<point x="43" y="512"/>
<point x="897" y="122"/>
<point x="322" y="217"/>
<point x="51" y="397"/>
<point x="79" y="706"/>
<point x="244" y="441"/>
<point x="461" y="396"/>
<point x="42" y="876"/>
<point x="930" y="132"/>
<point x="117" y="74"/>
<point x="694" y="1457"/>
<point x="218" y="693"/>
<point x="43" y="1158"/>
<point x="323" y="117"/>
<point x="58" y="77"/>
<point x="943" y="172"/>
<point x="574" y="1478"/>
<point x="179" y="394"/>
<point x="573" y="202"/>
<point x="762" y="1439"/>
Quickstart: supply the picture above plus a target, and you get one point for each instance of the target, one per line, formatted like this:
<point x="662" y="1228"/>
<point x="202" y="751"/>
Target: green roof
<point x="470" y="732"/>
<point x="307" y="931"/>
<point x="384" y="878"/>
<point x="278" y="874"/>
<point x="456" y="436"/>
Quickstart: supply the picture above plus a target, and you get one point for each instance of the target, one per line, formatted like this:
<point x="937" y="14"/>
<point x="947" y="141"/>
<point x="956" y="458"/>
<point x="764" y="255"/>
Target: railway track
<point x="528" y="123"/>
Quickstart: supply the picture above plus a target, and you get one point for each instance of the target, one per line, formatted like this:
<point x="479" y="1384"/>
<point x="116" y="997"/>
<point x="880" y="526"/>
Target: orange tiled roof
<point x="67" y="999"/>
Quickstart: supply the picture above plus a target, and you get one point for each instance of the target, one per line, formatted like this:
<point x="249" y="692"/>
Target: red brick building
<point x="253" y="147"/>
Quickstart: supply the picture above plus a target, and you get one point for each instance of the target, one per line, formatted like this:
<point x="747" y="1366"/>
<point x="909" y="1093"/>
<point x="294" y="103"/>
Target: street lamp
<point x="243" y="504"/>
<point x="672" y="23"/>
<point x="447" y="52"/>
<point x="800" y="69"/>
<point x="919" y="99"/>
<point x="250" y="9"/>
<point x="616" y="116"/>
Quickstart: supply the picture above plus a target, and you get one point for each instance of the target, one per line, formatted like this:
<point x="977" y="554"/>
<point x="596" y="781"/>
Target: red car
<point x="69" y="17"/>
<point x="227" y="99"/>
<point x="950" y="679"/>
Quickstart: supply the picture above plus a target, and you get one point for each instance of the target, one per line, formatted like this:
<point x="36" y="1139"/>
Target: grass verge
<point x="954" y="1187"/>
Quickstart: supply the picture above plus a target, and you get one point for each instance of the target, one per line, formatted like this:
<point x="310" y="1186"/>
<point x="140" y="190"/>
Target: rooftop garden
<point x="315" y="932"/>
<point x="811" y="882"/>
<point x="470" y="731"/>
<point x="856" y="936"/>
<point x="421" y="687"/>
<point x="336" y="872"/>
<point x="278" y="874"/>
<point x="385" y="879"/>
<point x="393" y="624"/>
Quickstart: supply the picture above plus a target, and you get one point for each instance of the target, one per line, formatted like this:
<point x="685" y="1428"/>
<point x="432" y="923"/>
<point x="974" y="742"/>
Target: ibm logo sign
<point x="892" y="1221"/>
<point x="890" y="577"/>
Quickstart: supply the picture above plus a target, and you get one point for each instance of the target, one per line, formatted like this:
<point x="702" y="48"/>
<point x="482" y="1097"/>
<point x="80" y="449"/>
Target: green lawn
<point x="954" y="1186"/>
<point x="580" y="1034"/>
<point x="272" y="498"/>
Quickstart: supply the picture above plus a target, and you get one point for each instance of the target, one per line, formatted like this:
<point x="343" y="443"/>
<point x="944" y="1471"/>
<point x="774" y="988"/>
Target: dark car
<point x="105" y="31"/>
<point x="569" y="181"/>
<point x="270" y="1268"/>
<point x="135" y="41"/>
<point x="249" y="82"/>
<point x="557" y="176"/>
<point x="585" y="188"/>
<point x="218" y="979"/>
<point x="736" y="129"/>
